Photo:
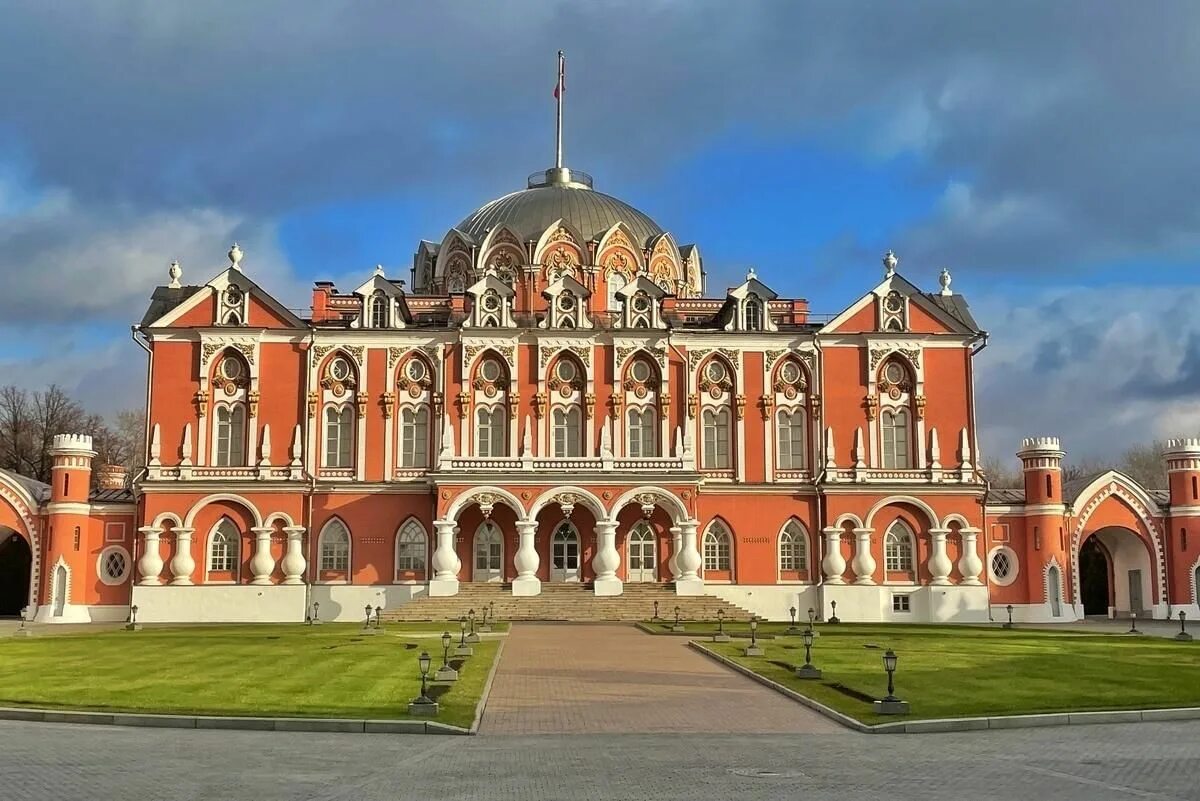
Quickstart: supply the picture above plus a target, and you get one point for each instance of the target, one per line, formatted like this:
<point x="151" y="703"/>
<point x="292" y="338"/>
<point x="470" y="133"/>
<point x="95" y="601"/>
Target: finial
<point x="379" y="270"/>
<point x="235" y="256"/>
<point x="944" y="280"/>
<point x="751" y="275"/>
<point x="889" y="264"/>
<point x="175" y="271"/>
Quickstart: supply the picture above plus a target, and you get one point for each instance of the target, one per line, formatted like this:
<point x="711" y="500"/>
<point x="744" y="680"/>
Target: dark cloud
<point x="1182" y="382"/>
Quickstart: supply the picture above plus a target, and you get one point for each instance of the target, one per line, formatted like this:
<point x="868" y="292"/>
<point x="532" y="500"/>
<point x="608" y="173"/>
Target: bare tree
<point x="1001" y="474"/>
<point x="16" y="441"/>
<point x="1146" y="464"/>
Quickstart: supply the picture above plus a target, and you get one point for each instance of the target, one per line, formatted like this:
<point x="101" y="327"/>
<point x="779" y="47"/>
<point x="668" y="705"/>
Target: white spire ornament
<point x="889" y="264"/>
<point x="235" y="256"/>
<point x="944" y="281"/>
<point x="175" y="272"/>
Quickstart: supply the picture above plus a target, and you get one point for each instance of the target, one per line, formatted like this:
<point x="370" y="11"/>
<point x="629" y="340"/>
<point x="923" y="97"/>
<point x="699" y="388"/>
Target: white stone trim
<point x="667" y="501"/>
<point x="189" y="520"/>
<point x="103" y="575"/>
<point x="325" y="527"/>
<point x="582" y="497"/>
<point x="1013" y="560"/>
<point x="472" y="496"/>
<point x="909" y="499"/>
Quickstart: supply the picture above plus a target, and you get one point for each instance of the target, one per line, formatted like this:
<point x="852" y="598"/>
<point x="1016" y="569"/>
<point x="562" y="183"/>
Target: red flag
<point x="561" y="86"/>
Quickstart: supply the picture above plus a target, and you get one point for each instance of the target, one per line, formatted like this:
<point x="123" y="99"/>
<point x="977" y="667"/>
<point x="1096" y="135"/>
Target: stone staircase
<point x="575" y="602"/>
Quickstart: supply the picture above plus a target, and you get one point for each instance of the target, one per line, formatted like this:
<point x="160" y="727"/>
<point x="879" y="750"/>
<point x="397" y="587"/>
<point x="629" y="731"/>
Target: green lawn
<point x="272" y="670"/>
<point x="947" y="672"/>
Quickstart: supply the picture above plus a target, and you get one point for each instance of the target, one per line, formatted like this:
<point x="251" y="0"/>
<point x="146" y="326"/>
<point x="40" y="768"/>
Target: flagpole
<point x="558" y="157"/>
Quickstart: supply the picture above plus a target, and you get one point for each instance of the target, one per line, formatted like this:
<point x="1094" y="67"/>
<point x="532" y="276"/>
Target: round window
<point x="565" y="370"/>
<point x="233" y="295"/>
<point x="640" y="371"/>
<point x="1003" y="565"/>
<point x="715" y="371"/>
<point x="790" y="372"/>
<point x="415" y="370"/>
<point x="339" y="369"/>
<point x="566" y="303"/>
<point x="114" y="565"/>
<point x="491" y="302"/>
<point x="641" y="304"/>
<point x="231" y="368"/>
<point x="894" y="373"/>
<point x="490" y="370"/>
<point x="893" y="303"/>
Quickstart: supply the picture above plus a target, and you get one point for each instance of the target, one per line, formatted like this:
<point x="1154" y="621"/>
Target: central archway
<point x="1095" y="578"/>
<point x="16" y="562"/>
<point x="1116" y="573"/>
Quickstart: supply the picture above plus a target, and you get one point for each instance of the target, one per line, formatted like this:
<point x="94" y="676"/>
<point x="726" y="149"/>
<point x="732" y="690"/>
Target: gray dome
<point x="531" y="211"/>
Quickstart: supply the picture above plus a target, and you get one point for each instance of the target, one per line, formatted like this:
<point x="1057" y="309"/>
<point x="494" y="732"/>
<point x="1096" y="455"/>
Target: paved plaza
<point x="569" y="679"/>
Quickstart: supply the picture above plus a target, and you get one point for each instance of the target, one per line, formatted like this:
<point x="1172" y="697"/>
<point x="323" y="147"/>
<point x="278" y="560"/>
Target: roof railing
<point x="560" y="176"/>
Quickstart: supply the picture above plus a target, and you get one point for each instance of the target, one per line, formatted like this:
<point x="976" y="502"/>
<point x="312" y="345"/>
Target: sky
<point x="1046" y="154"/>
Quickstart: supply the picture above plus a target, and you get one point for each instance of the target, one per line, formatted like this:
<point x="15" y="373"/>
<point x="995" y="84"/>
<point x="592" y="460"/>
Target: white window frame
<point x="896" y="439"/>
<point x="566" y="432"/>
<point x="720" y="538"/>
<point x="339" y="436"/>
<point x="788" y="456"/>
<point x="411" y="537"/>
<point x="716" y="454"/>
<point x="414" y="436"/>
<point x="329" y="561"/>
<point x="492" y="420"/>
<point x="232" y="553"/>
<point x="641" y="432"/>
<point x="229" y="423"/>
<point x="1014" y="566"/>
<point x="753" y="304"/>
<point x="102" y="573"/>
<point x="378" y="307"/>
<point x="900" y="549"/>
<point x="796" y="534"/>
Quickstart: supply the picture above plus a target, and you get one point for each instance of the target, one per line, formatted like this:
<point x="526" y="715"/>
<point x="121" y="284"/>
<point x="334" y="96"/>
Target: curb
<point x="487" y="689"/>
<point x="349" y="725"/>
<point x="693" y="633"/>
<point x="933" y="725"/>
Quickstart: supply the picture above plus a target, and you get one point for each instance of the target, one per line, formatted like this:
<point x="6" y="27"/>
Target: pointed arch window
<point x="339" y="436"/>
<point x="894" y="425"/>
<point x="379" y="310"/>
<point x="616" y="282"/>
<point x="898" y="548"/>
<point x="790" y="438"/>
<point x="491" y="430"/>
<point x="334" y="548"/>
<point x="411" y="548"/>
<point x="414" y="437"/>
<point x="793" y="549"/>
<point x="753" y="311"/>
<point x="717" y="549"/>
<point x="716" y="439"/>
<point x="231" y="436"/>
<point x="567" y="431"/>
<point x="642" y="433"/>
<point x="223" y="548"/>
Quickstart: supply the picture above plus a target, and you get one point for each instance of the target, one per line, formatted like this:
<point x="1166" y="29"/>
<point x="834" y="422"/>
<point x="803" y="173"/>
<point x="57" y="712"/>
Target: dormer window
<point x="233" y="305"/>
<point x="566" y="304"/>
<point x="640" y="306"/>
<point x="753" y="315"/>
<point x="379" y="311"/>
<point x="893" y="312"/>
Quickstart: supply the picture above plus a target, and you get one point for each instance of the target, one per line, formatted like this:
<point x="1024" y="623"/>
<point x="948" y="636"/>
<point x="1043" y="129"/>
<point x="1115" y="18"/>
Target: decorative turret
<point x="1183" y="471"/>
<point x="1041" y="459"/>
<point x="72" y="468"/>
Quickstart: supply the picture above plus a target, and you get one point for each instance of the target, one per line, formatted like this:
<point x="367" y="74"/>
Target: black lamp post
<point x="678" y="625"/>
<point x="792" y="612"/>
<point x="472" y="635"/>
<point x="131" y="626"/>
<point x="1009" y="624"/>
<point x="833" y="618"/>
<point x="812" y="616"/>
<point x="889" y="664"/>
<point x="446" y="639"/>
<point x="721" y="636"/>
<point x="423" y="704"/>
<point x="367" y="622"/>
<point x="378" y="622"/>
<point x="316" y="618"/>
<point x="753" y="649"/>
<point x="445" y="672"/>
<point x="655" y="611"/>
<point x="1133" y="629"/>
<point x="464" y="648"/>
<point x="1183" y="636"/>
<point x="462" y="624"/>
<point x="808" y="670"/>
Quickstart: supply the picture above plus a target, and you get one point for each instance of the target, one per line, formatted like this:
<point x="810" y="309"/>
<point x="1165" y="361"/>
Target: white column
<point x="864" y="562"/>
<point x="262" y="563"/>
<point x="151" y="563"/>
<point x="939" y="562"/>
<point x="293" y="563"/>
<point x="688" y="562"/>
<point x="970" y="565"/>
<point x="182" y="564"/>
<point x="445" y="561"/>
<point x="607" y="559"/>
<point x="676" y="543"/>
<point x="526" y="560"/>
<point x="834" y="564"/>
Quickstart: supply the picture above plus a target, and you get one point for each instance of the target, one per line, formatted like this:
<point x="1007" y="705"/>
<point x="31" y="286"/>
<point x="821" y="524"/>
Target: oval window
<point x="340" y="369"/>
<point x="715" y="371"/>
<point x="894" y="373"/>
<point x="415" y="370"/>
<point x="790" y="372"/>
<point x="490" y="370"/>
<point x="565" y="370"/>
<point x="640" y="371"/>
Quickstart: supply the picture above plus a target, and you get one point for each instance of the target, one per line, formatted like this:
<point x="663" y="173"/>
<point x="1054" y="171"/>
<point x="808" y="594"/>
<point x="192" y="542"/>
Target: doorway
<point x="1054" y="590"/>
<point x="564" y="554"/>
<point x="16" y="561"/>
<point x="643" y="558"/>
<point x="1095" y="578"/>
<point x="488" y="553"/>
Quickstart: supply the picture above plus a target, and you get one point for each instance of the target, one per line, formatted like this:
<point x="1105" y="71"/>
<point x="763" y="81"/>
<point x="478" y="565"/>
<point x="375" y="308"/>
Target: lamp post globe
<point x="378" y="612"/>
<point x="446" y="639"/>
<point x="889" y="664"/>
<point x="808" y="641"/>
<point x="792" y="612"/>
<point x="721" y="621"/>
<point x="677" y="616"/>
<point x="462" y="625"/>
<point x="423" y="662"/>
<point x="753" y="632"/>
<point x="369" y="610"/>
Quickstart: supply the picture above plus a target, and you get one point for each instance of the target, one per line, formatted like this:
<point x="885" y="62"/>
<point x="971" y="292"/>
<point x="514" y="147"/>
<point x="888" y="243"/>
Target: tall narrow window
<point x="339" y="437"/>
<point x="791" y="440"/>
<point x="898" y="548"/>
<point x="716" y="548"/>
<point x="231" y="436"/>
<point x="223" y="547"/>
<point x="642" y="433"/>
<point x="793" y="548"/>
<point x="894" y="425"/>
<point x="753" y="315"/>
<point x="379" y="311"/>
<point x="414" y="437"/>
<point x="411" y="545"/>
<point x="716" y="439"/>
<point x="616" y="282"/>
<point x="490" y="432"/>
<point x="567" y="432"/>
<point x="335" y="548"/>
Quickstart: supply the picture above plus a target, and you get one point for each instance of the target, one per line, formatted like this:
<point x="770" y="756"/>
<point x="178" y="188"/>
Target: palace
<point x="554" y="396"/>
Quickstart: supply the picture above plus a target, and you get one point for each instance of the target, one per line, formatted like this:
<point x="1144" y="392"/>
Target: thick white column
<point x="527" y="560"/>
<point x="151" y="563"/>
<point x="939" y="562"/>
<point x="262" y="563"/>
<point x="676" y="543"/>
<point x="182" y="564"/>
<point x="864" y="562"/>
<point x="607" y="559"/>
<point x="445" y="561"/>
<point x="834" y="564"/>
<point x="293" y="562"/>
<point x="688" y="562"/>
<point x="970" y="565"/>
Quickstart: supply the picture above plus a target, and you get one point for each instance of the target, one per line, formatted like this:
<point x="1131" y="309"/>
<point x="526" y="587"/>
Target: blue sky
<point x="1045" y="154"/>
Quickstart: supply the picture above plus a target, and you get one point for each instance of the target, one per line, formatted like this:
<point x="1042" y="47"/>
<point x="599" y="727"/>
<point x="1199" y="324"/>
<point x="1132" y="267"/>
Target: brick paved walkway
<point x="558" y="679"/>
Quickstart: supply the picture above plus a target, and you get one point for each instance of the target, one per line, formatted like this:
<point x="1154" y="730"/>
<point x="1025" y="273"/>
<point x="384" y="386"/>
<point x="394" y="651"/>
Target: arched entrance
<point x="564" y="553"/>
<point x="488" y="554"/>
<point x="643" y="557"/>
<point x="1115" y="570"/>
<point x="1095" y="578"/>
<point x="16" y="561"/>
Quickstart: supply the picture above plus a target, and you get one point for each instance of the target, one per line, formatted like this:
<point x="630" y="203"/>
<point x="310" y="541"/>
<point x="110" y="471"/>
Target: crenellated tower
<point x="1045" y="539"/>
<point x="66" y="566"/>
<point x="1183" y="521"/>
